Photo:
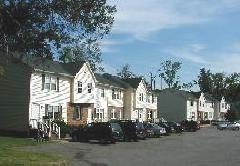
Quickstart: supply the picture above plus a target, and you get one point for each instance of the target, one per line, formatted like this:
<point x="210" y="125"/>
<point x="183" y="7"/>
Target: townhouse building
<point x="110" y="93"/>
<point x="220" y="109"/>
<point x="140" y="103"/>
<point x="178" y="105"/>
<point x="39" y="89"/>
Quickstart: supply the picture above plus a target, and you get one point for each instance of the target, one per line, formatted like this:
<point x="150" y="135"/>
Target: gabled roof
<point x="111" y="80"/>
<point x="54" y="66"/>
<point x="196" y="94"/>
<point x="182" y="93"/>
<point x="209" y="97"/>
<point x="133" y="82"/>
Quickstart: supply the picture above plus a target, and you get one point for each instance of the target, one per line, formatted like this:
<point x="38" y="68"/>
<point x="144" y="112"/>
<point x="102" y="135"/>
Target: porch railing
<point x="47" y="126"/>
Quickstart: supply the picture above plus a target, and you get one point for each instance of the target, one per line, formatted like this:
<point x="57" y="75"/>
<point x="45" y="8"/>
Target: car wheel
<point x="237" y="128"/>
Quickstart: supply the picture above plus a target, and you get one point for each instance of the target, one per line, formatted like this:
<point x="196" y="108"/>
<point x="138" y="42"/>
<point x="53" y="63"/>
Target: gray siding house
<point x="177" y="105"/>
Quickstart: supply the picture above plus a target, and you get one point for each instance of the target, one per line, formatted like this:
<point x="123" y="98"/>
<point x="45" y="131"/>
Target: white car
<point x="234" y="125"/>
<point x="228" y="125"/>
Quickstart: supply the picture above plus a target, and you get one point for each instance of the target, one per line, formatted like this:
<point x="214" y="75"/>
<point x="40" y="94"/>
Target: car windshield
<point x="115" y="126"/>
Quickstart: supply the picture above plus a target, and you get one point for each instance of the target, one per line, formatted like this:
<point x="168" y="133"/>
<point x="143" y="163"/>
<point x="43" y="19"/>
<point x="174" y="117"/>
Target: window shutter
<point x="58" y="84"/>
<point x="43" y="81"/>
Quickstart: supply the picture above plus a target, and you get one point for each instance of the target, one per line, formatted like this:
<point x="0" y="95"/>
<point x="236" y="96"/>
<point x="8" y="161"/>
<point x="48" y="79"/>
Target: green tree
<point x="168" y="72"/>
<point x="83" y="52"/>
<point x="205" y="80"/>
<point x="125" y="72"/>
<point x="42" y="28"/>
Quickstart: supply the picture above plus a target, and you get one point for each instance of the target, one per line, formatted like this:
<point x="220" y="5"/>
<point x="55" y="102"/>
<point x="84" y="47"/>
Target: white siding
<point x="54" y="98"/>
<point x="85" y="76"/>
<point x="192" y="107"/>
<point x="101" y="102"/>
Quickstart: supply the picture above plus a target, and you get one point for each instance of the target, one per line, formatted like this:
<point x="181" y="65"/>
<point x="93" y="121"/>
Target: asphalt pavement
<point x="206" y="147"/>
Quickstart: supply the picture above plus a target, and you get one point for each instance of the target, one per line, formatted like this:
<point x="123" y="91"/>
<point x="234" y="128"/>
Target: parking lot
<point x="206" y="147"/>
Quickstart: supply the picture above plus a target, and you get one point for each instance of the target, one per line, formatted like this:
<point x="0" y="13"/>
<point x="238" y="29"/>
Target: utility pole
<point x="161" y="77"/>
<point x="152" y="81"/>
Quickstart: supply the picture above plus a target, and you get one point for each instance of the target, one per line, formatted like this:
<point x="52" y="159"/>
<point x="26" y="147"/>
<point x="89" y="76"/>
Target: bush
<point x="64" y="127"/>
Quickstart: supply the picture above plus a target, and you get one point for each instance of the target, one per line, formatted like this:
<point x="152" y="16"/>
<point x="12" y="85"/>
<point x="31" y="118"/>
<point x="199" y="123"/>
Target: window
<point x="200" y="103"/>
<point x="210" y="115"/>
<point x="222" y="105"/>
<point x="102" y="92"/>
<point x="225" y="105"/>
<point x="116" y="94"/>
<point x="113" y="114"/>
<point x="89" y="86"/>
<point x="140" y="96"/>
<point x="53" y="112"/>
<point x="193" y="115"/>
<point x="50" y="82"/>
<point x="153" y="98"/>
<point x="148" y="98"/>
<point x="77" y="113"/>
<point x="150" y="114"/>
<point x="191" y="103"/>
<point x="79" y="87"/>
<point x="47" y="83"/>
<point x="99" y="114"/>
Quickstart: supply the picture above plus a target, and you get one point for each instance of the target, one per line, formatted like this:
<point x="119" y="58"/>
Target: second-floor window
<point x="148" y="98"/>
<point x="222" y="105"/>
<point x="140" y="96"/>
<point x="116" y="94"/>
<point x="102" y="92"/>
<point x="153" y="98"/>
<point x="79" y="87"/>
<point x="191" y="103"/>
<point x="89" y="87"/>
<point x="50" y="82"/>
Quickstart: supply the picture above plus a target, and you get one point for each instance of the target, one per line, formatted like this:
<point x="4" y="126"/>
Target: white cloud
<point x="227" y="60"/>
<point x="142" y="18"/>
<point x="192" y="53"/>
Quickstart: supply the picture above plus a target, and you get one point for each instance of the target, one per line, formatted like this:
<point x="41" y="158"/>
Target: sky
<point x="197" y="33"/>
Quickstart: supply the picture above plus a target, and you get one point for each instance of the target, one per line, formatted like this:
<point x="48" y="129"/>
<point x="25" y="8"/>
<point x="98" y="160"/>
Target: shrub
<point x="64" y="127"/>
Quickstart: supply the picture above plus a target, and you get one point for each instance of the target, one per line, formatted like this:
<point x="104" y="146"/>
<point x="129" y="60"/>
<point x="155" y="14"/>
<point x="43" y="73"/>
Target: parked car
<point x="102" y="131"/>
<point x="175" y="127"/>
<point x="222" y="125"/>
<point x="154" y="130"/>
<point x="190" y="126"/>
<point x="165" y="125"/>
<point x="117" y="132"/>
<point x="228" y="125"/>
<point x="140" y="130"/>
<point x="129" y="130"/>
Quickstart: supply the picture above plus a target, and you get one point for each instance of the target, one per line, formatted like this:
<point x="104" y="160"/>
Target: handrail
<point x="47" y="126"/>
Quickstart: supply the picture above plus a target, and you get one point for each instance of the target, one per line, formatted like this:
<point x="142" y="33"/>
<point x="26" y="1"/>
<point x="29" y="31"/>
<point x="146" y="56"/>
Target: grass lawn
<point x="11" y="155"/>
